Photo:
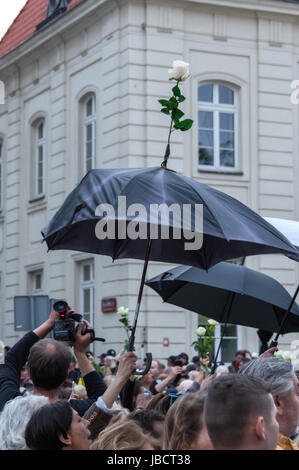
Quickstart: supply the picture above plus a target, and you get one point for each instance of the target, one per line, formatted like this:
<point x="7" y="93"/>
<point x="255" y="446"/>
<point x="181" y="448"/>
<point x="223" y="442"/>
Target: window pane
<point x="89" y="107"/>
<point x="86" y="300"/>
<point x="205" y="119"/>
<point x="88" y="164"/>
<point x="227" y="121"/>
<point x="40" y="153"/>
<point x="230" y="330"/>
<point x="206" y="156"/>
<point x="227" y="158"/>
<point x="89" y="132"/>
<point x="40" y="171"/>
<point x="228" y="350"/>
<point x="205" y="93"/>
<point x="86" y="272"/>
<point x="206" y="138"/>
<point x="40" y="187"/>
<point x="41" y="130"/>
<point x="88" y="149"/>
<point x="38" y="281"/>
<point x="227" y="140"/>
<point x="0" y="184"/>
<point x="226" y="95"/>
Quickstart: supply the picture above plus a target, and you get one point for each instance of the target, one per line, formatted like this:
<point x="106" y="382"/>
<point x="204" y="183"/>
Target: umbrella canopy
<point x="290" y="229"/>
<point x="229" y="228"/>
<point x="259" y="301"/>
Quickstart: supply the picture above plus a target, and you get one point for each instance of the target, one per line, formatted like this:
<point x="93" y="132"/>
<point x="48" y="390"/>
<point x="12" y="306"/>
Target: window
<point x="217" y="127"/>
<point x="230" y="343"/>
<point x="36" y="282"/>
<point x="89" y="133"/>
<point x="87" y="290"/>
<point x="1" y="174"/>
<point x="39" y="157"/>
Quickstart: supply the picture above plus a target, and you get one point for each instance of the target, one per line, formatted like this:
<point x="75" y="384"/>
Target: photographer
<point x="48" y="362"/>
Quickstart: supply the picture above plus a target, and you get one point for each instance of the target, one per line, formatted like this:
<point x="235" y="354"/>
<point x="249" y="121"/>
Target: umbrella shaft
<point x="286" y="314"/>
<point x="132" y="337"/>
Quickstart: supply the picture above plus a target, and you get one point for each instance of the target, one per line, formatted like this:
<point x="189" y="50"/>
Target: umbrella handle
<point x="148" y="364"/>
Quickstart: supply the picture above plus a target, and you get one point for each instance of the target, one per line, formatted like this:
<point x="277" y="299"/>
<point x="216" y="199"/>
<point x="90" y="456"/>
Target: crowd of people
<point x="54" y="397"/>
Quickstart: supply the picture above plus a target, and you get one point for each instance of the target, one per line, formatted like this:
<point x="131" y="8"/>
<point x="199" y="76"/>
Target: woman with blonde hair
<point x="185" y="428"/>
<point x="123" y="435"/>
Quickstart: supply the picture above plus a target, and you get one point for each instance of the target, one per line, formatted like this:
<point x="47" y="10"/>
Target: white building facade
<point x="82" y="93"/>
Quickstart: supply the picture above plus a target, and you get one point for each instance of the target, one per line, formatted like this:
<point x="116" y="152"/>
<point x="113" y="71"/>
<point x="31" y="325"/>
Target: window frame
<point x="1" y="174"/>
<point x="39" y="143"/>
<point x="216" y="108"/>
<point x="87" y="285"/>
<point x="86" y="121"/>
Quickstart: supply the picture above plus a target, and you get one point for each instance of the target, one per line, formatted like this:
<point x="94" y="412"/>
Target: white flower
<point x="201" y="331"/>
<point x="123" y="311"/>
<point x="254" y="355"/>
<point x="286" y="355"/>
<point x="179" y="71"/>
<point x="213" y="322"/>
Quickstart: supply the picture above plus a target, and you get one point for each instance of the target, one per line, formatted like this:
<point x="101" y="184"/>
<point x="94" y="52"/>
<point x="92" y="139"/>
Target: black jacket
<point x="16" y="358"/>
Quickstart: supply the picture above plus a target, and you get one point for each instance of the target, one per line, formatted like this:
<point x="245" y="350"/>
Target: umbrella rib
<point x="212" y="212"/>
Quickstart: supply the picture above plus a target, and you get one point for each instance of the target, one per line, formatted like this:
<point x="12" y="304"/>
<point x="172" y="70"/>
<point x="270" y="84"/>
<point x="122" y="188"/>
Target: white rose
<point x="122" y="311"/>
<point x="201" y="331"/>
<point x="179" y="71"/>
<point x="286" y="355"/>
<point x="213" y="322"/>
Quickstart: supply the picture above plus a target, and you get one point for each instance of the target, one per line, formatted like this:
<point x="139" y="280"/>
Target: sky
<point x="8" y="11"/>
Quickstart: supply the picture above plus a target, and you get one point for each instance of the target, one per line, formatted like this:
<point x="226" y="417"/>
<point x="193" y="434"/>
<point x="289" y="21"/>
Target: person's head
<point x="57" y="426"/>
<point x="184" y="385"/>
<point x="184" y="425"/>
<point x="80" y="392"/>
<point x="194" y="375"/>
<point x="123" y="435"/>
<point x="90" y="356"/>
<point x="171" y="361"/>
<point x="240" y="414"/>
<point x="239" y="356"/>
<point x="14" y="418"/>
<point x="147" y="380"/>
<point x="156" y="369"/>
<point x="24" y="375"/>
<point x="221" y="370"/>
<point x="151" y="421"/>
<point x="142" y="400"/>
<point x="48" y="364"/>
<point x="280" y="376"/>
<point x="184" y="358"/>
<point x="66" y="389"/>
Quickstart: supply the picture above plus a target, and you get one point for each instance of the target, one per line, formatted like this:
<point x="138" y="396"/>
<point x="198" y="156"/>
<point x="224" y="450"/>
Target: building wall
<point x="121" y="51"/>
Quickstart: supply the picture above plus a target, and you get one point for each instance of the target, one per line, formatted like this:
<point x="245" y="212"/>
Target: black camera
<point x="65" y="328"/>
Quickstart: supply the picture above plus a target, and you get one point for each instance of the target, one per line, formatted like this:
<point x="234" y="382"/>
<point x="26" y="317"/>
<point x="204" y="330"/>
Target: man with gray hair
<point x="279" y="374"/>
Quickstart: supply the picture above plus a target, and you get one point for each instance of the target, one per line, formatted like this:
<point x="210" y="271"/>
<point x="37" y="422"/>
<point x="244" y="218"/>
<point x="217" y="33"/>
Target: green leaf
<point x="176" y="91"/>
<point x="186" y="124"/>
<point x="165" y="110"/>
<point x="181" y="98"/>
<point x="177" y="114"/>
<point x="164" y="102"/>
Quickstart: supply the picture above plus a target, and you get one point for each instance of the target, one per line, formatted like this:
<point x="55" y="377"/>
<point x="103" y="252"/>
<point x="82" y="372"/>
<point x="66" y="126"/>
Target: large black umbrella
<point x="230" y="229"/>
<point x="131" y="197"/>
<point x="229" y="293"/>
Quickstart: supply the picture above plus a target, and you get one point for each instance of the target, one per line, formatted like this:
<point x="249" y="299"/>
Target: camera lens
<point x="60" y="306"/>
